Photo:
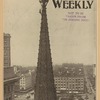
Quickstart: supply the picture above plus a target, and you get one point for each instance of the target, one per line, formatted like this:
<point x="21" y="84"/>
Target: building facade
<point x="9" y="76"/>
<point x="7" y="59"/>
<point x="25" y="82"/>
<point x="69" y="84"/>
<point x="70" y="80"/>
<point x="9" y="83"/>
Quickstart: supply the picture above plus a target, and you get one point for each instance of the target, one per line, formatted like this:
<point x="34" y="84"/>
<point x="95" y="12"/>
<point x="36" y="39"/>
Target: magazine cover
<point x="50" y="49"/>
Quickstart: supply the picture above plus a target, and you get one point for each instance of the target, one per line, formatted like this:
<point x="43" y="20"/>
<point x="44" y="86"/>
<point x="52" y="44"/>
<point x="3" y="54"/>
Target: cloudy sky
<point x="71" y="41"/>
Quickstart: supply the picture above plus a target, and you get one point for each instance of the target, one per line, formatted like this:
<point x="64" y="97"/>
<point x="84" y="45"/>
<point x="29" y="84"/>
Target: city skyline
<point x="67" y="45"/>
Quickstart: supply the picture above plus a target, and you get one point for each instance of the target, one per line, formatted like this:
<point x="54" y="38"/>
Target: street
<point x="90" y="91"/>
<point x="26" y="96"/>
<point x="89" y="95"/>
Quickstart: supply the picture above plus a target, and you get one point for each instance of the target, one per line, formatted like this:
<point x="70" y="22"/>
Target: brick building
<point x="9" y="83"/>
<point x="70" y="80"/>
<point x="7" y="58"/>
<point x="9" y="76"/>
<point x="25" y="82"/>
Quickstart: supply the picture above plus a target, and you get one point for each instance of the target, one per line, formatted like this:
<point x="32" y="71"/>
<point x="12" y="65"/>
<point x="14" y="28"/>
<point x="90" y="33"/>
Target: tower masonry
<point x="44" y="87"/>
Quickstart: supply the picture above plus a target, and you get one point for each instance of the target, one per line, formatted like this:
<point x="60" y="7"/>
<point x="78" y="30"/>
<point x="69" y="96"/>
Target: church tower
<point x="44" y="87"/>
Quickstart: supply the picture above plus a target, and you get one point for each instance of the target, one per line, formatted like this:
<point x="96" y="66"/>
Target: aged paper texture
<point x="74" y="49"/>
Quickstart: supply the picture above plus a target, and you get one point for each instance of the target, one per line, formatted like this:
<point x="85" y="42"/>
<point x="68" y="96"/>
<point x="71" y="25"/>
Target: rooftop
<point x="9" y="73"/>
<point x="69" y="71"/>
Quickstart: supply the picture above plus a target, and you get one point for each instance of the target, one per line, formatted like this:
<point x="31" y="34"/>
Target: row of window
<point x="59" y="88"/>
<point x="68" y="82"/>
<point x="22" y="82"/>
<point x="79" y="83"/>
<point x="71" y="86"/>
<point x="61" y="78"/>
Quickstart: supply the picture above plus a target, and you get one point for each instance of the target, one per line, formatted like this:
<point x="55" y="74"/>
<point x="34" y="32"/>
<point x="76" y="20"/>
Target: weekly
<point x="73" y="4"/>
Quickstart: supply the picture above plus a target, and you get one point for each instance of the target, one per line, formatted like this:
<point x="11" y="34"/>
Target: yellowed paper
<point x="37" y="32"/>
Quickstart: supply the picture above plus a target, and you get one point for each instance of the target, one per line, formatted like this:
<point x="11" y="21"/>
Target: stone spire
<point x="44" y="87"/>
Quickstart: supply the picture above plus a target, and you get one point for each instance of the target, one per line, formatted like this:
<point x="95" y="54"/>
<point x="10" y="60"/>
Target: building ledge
<point x="11" y="79"/>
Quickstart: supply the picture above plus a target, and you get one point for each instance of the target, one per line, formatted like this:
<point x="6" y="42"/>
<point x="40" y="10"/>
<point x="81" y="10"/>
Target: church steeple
<point x="44" y="88"/>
